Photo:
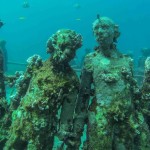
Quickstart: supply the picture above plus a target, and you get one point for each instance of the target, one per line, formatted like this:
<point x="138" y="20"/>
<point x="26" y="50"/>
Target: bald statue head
<point x="63" y="45"/>
<point x="105" y="31"/>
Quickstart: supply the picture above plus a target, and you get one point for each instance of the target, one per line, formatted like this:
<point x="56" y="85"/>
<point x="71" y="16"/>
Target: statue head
<point x="145" y="52"/>
<point x="105" y="31"/>
<point x="2" y="43"/>
<point x="63" y="45"/>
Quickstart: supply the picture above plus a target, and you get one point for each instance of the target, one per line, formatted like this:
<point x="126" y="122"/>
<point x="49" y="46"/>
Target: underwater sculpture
<point x="87" y="51"/>
<point x="53" y="87"/>
<point x="146" y="92"/>
<point x="145" y="53"/>
<point x="141" y="63"/>
<point x="2" y="84"/>
<point x="21" y="82"/>
<point x="1" y="23"/>
<point x="111" y="116"/>
<point x="4" y="52"/>
<point x="3" y="104"/>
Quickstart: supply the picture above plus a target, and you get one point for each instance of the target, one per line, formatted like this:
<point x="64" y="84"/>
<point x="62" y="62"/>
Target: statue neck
<point x="109" y="51"/>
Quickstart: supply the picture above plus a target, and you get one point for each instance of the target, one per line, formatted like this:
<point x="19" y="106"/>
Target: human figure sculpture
<point x="146" y="91"/>
<point x="3" y="103"/>
<point x="4" y="52"/>
<point x="141" y="63"/>
<point x="111" y="116"/>
<point x="2" y="84"/>
<point x="53" y="88"/>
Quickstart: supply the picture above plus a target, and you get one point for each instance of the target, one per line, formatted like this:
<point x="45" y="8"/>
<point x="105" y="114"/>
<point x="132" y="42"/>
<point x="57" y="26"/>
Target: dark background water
<point x="26" y="30"/>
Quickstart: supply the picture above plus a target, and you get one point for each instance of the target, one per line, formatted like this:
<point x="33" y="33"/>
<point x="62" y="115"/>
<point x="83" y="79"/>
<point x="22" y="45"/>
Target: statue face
<point x="105" y="34"/>
<point x="63" y="45"/>
<point x="105" y="31"/>
<point x="64" y="56"/>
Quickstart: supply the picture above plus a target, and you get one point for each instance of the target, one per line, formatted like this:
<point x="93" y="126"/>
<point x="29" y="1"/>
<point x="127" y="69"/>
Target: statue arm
<point x="84" y="94"/>
<point x="81" y="110"/>
<point x="67" y="111"/>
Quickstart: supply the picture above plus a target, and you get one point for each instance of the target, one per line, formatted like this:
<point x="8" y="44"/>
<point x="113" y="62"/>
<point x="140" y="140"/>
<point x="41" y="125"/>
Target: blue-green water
<point x="26" y="30"/>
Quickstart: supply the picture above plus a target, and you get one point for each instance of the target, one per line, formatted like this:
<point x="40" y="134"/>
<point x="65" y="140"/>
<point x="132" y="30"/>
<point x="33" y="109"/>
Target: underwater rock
<point x="47" y="107"/>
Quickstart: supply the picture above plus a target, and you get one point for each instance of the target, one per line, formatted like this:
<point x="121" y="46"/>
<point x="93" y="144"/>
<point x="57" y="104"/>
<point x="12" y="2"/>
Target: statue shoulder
<point x="128" y="59"/>
<point x="88" y="61"/>
<point x="90" y="56"/>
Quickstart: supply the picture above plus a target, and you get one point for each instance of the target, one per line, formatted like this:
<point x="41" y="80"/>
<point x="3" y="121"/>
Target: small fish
<point x="77" y="6"/>
<point x="78" y="19"/>
<point x="98" y="16"/>
<point x="22" y="18"/>
<point x="1" y="23"/>
<point x="25" y="4"/>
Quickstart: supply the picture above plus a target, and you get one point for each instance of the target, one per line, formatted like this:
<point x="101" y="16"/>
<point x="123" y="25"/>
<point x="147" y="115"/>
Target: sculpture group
<point x="51" y="105"/>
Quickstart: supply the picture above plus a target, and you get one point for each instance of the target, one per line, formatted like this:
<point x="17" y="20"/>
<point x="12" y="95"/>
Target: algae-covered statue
<point x="3" y="103"/>
<point x="2" y="85"/>
<point x="140" y="68"/>
<point x="146" y="92"/>
<point x="111" y="116"/>
<point x="48" y="105"/>
<point x="4" y="52"/>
